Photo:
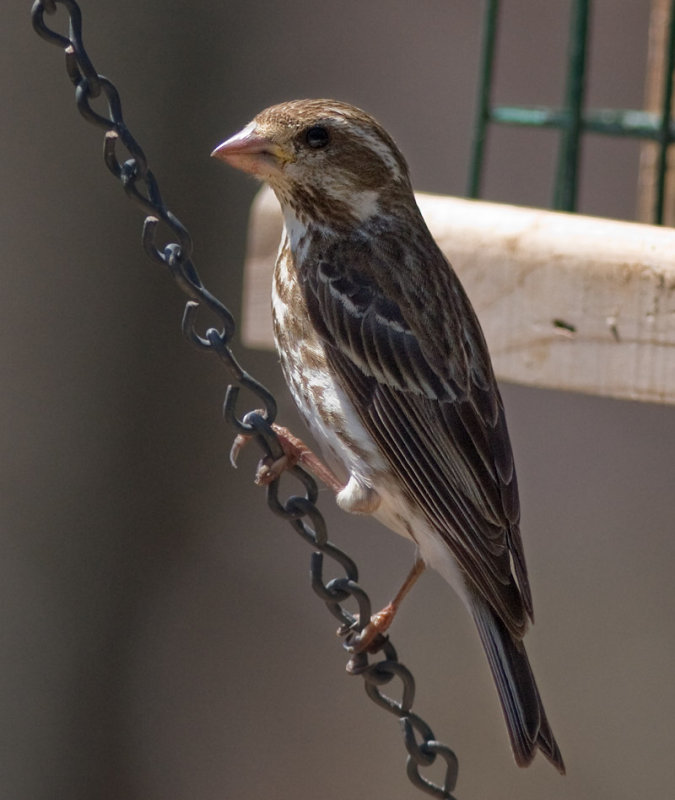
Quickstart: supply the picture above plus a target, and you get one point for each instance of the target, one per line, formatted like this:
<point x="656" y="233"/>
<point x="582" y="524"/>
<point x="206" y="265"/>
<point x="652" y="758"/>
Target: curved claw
<point x="240" y="441"/>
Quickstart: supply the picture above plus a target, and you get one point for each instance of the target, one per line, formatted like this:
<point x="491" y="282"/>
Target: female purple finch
<point x="387" y="363"/>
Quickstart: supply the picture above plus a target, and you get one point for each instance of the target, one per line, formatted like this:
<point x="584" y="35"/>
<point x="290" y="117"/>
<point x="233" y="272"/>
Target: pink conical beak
<point x="250" y="152"/>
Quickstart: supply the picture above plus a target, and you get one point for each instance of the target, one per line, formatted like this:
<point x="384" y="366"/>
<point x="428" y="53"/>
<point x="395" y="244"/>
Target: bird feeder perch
<point x="567" y="302"/>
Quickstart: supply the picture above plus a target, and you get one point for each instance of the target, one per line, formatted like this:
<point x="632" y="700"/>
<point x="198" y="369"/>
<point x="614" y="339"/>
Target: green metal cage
<point x="572" y="119"/>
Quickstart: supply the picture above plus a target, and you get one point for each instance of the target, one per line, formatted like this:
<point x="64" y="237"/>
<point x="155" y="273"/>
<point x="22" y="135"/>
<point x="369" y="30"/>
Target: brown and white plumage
<point x="386" y="360"/>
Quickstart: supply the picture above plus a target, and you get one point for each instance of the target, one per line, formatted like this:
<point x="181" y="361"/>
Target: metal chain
<point x="140" y="185"/>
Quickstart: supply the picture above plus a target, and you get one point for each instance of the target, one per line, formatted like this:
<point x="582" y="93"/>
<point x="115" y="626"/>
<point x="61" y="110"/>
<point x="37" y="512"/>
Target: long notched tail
<point x="523" y="710"/>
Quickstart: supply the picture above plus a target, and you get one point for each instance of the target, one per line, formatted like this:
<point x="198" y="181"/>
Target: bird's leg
<point x="295" y="452"/>
<point x="380" y="622"/>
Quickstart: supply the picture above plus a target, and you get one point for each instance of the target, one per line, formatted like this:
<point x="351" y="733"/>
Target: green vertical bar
<point x="565" y="193"/>
<point x="664" y="127"/>
<point x="484" y="92"/>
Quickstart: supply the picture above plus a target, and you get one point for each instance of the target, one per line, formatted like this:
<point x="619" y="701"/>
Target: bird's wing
<point x="416" y="367"/>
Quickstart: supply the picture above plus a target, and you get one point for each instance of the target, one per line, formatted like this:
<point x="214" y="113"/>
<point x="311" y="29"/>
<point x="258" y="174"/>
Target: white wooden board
<point x="566" y="301"/>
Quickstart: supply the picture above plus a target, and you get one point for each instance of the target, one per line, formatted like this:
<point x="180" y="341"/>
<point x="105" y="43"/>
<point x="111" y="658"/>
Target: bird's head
<point x="327" y="161"/>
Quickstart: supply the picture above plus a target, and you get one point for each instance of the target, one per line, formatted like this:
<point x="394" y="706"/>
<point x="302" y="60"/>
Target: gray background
<point x="159" y="638"/>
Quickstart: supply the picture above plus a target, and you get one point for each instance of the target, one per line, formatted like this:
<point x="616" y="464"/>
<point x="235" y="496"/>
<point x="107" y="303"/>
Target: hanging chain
<point x="141" y="186"/>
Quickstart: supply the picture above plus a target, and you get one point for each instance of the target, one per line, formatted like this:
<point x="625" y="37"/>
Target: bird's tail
<point x="523" y="710"/>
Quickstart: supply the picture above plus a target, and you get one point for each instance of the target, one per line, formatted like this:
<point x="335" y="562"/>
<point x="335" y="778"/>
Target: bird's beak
<point x="252" y="152"/>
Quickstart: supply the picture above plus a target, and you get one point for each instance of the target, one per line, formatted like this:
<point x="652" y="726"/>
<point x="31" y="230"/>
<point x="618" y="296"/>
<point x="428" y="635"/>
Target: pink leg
<point x="295" y="452"/>
<point x="380" y="622"/>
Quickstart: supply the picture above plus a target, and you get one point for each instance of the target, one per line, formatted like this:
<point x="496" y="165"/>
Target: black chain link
<point x="140" y="185"/>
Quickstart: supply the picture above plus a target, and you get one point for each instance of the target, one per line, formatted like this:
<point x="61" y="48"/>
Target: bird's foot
<point x="295" y="451"/>
<point x="372" y="637"/>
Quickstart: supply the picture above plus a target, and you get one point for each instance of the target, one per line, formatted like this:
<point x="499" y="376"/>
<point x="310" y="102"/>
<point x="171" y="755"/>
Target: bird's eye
<point x="316" y="137"/>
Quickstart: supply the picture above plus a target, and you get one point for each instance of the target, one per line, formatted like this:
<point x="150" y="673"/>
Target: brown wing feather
<point x="430" y="401"/>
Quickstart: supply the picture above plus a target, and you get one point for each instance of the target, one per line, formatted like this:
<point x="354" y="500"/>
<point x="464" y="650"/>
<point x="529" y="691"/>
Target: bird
<point x="387" y="363"/>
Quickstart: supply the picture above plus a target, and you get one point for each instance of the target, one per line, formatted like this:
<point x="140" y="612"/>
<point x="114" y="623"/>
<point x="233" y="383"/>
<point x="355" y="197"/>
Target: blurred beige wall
<point x="160" y="640"/>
